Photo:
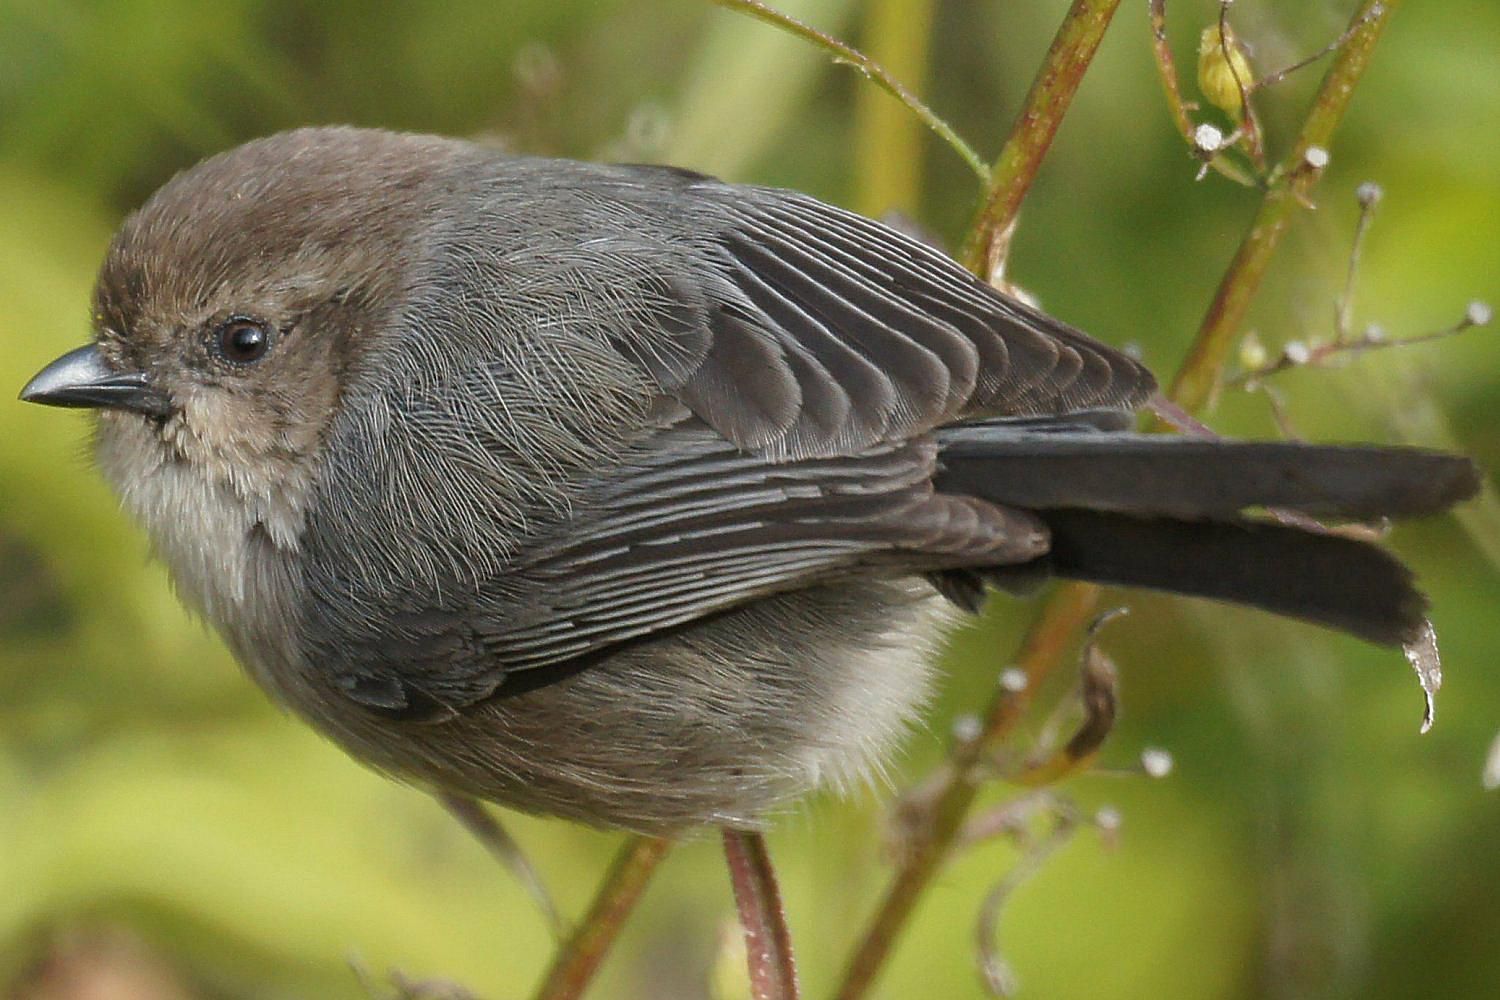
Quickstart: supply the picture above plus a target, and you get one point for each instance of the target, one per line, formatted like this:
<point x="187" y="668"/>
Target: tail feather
<point x="1166" y="514"/>
<point x="1193" y="478"/>
<point x="1326" y="579"/>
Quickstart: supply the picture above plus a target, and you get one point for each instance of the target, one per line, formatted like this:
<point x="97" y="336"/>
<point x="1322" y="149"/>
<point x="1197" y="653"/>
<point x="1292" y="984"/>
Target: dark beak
<point x="81" y="378"/>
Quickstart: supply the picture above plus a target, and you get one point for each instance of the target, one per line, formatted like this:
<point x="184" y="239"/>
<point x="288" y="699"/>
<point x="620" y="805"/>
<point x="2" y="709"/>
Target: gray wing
<point x="687" y="527"/>
<point x="824" y="332"/>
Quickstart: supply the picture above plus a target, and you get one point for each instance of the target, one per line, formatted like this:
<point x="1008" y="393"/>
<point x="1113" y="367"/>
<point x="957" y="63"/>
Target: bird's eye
<point x="242" y="341"/>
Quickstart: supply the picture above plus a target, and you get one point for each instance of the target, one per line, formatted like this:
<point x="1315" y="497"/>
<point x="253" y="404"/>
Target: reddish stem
<point x="768" y="943"/>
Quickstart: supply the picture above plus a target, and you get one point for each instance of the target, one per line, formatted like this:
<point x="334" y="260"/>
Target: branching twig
<point x="768" y="943"/>
<point x="1222" y="51"/>
<point x="998" y="977"/>
<point x="1200" y="374"/>
<point x="576" y="962"/>
<point x="932" y="835"/>
<point x="1063" y="617"/>
<point x="1206" y="142"/>
<point x="1271" y="79"/>
<point x="1046" y="103"/>
<point x="1302" y="354"/>
<point x="1344" y="344"/>
<point x="847" y="54"/>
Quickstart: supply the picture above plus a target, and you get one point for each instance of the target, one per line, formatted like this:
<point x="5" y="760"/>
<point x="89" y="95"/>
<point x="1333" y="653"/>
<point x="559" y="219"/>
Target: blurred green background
<point x="165" y="833"/>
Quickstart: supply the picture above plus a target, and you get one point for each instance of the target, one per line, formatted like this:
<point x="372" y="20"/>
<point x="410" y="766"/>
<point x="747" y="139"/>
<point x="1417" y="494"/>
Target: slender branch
<point x="1271" y="79"/>
<point x="1051" y="94"/>
<point x="768" y="943"/>
<point x="1166" y="68"/>
<point x="488" y="830"/>
<point x="578" y="960"/>
<point x="1299" y="354"/>
<point x="847" y="54"/>
<point x="1201" y="372"/>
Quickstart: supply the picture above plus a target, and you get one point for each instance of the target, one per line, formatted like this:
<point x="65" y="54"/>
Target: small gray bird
<point x="628" y="495"/>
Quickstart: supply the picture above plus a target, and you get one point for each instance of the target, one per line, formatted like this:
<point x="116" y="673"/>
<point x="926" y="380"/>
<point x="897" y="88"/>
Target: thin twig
<point x="488" y="830"/>
<point x="845" y="53"/>
<point x="1203" y="369"/>
<point x="1062" y="618"/>
<point x="1250" y="128"/>
<point x="768" y="943"/>
<point x="1166" y="68"/>
<point x="1298" y="354"/>
<point x="998" y="977"/>
<point x="1343" y="309"/>
<point x="1051" y="94"/>
<point x="1271" y="79"/>
<point x="577" y="961"/>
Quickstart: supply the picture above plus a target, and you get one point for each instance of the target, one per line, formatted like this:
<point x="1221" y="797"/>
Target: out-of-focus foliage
<point x="162" y="825"/>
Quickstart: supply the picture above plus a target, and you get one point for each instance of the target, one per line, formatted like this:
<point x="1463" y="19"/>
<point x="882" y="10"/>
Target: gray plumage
<point x="626" y="494"/>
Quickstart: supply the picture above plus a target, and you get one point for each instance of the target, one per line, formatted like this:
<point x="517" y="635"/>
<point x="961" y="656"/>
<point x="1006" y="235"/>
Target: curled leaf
<point x="999" y="978"/>
<point x="1422" y="654"/>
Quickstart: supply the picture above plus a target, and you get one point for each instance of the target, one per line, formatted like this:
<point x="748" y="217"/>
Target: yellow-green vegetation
<point x="1308" y="842"/>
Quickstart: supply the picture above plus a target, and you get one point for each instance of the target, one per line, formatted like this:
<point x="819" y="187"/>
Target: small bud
<point x="1252" y="353"/>
<point x="1223" y="67"/>
<point x="1108" y="818"/>
<point x="966" y="728"/>
<point x="1297" y="352"/>
<point x="1375" y="333"/>
<point x="1156" y="762"/>
<point x="1315" y="157"/>
<point x="1208" y="138"/>
<point x="1369" y="193"/>
<point x="1479" y="313"/>
<point x="1491" y="777"/>
<point x="1013" y="679"/>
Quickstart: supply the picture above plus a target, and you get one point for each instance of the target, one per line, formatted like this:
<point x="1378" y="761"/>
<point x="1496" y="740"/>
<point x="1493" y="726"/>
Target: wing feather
<point x="840" y="333"/>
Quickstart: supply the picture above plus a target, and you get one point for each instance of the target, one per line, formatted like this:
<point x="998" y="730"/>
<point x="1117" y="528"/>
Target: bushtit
<point x="625" y="494"/>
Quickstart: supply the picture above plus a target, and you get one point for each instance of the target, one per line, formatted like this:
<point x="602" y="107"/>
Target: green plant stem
<point x="887" y="137"/>
<point x="1048" y="100"/>
<point x="579" y="959"/>
<point x="845" y="53"/>
<point x="1201" y="372"/>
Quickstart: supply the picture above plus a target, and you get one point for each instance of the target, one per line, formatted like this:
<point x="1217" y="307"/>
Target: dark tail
<point x="1167" y="513"/>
